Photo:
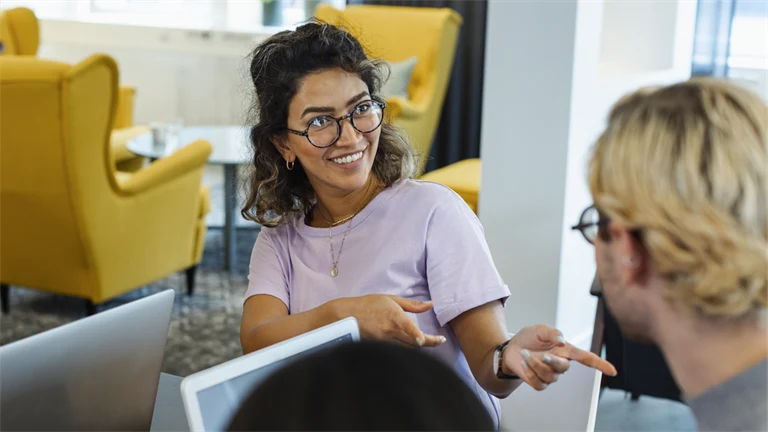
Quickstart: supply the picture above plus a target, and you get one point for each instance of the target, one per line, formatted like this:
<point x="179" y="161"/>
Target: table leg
<point x="230" y="211"/>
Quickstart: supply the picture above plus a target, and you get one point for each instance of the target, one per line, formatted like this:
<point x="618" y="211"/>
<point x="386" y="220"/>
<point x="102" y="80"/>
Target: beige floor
<point x="616" y="412"/>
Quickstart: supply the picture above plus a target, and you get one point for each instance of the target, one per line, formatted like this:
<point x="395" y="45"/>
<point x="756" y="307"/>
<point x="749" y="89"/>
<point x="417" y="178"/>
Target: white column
<point x="552" y="72"/>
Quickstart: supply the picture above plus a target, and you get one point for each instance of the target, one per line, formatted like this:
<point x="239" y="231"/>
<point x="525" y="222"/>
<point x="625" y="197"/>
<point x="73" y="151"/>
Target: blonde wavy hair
<point x="686" y="166"/>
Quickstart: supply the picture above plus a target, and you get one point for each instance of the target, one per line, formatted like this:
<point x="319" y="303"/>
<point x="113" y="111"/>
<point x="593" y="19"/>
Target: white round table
<point x="230" y="148"/>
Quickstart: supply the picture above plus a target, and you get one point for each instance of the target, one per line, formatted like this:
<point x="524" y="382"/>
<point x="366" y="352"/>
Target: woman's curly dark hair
<point x="277" y="67"/>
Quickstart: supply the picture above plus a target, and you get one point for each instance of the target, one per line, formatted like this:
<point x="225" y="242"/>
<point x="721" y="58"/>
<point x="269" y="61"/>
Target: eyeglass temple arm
<point x="299" y="133"/>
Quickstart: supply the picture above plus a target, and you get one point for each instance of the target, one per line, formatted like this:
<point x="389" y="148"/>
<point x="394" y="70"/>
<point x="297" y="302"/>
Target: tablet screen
<point x="219" y="403"/>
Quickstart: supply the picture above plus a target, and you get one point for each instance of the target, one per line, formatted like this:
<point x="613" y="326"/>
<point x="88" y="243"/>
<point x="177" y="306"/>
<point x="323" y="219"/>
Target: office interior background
<point x="530" y="87"/>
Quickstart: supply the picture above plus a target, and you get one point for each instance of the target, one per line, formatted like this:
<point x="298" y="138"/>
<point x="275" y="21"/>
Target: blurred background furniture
<point x="71" y="224"/>
<point x="230" y="149"/>
<point x="642" y="367"/>
<point x="20" y="36"/>
<point x="397" y="34"/>
<point x="463" y="177"/>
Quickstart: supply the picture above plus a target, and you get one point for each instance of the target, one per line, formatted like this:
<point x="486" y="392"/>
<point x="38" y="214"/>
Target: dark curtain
<point x="458" y="133"/>
<point x="712" y="38"/>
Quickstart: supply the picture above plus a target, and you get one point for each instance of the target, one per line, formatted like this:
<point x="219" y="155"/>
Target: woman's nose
<point x="349" y="135"/>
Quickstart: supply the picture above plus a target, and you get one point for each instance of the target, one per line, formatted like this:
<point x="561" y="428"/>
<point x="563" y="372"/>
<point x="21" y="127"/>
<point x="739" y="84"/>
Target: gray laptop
<point x="98" y="373"/>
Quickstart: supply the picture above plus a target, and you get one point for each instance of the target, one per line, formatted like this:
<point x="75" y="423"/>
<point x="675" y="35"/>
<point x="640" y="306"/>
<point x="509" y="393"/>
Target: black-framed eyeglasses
<point x="323" y="131"/>
<point x="590" y="222"/>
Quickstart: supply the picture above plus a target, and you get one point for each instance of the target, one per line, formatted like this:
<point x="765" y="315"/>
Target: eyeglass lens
<point x="589" y="220"/>
<point x="325" y="130"/>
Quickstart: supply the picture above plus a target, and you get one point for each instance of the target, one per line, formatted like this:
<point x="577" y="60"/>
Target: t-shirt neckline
<point x="379" y="199"/>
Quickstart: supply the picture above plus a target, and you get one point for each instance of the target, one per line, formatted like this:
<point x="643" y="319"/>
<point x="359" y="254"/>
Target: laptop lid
<point x="213" y="396"/>
<point x="570" y="404"/>
<point x="97" y="373"/>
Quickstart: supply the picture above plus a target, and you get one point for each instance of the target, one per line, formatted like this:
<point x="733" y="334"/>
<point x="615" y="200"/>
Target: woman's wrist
<point x="500" y="369"/>
<point x="332" y="311"/>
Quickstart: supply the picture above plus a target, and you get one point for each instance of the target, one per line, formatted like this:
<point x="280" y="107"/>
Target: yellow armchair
<point x="20" y="35"/>
<point x="396" y="33"/>
<point x="71" y="224"/>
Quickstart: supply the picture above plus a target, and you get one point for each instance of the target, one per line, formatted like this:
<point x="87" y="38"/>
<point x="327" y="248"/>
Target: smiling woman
<point x="349" y="233"/>
<point x="325" y="73"/>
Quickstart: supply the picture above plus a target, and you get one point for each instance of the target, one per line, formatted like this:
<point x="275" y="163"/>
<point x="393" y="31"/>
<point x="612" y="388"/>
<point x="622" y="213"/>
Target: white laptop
<point x="97" y="373"/>
<point x="570" y="404"/>
<point x="213" y="396"/>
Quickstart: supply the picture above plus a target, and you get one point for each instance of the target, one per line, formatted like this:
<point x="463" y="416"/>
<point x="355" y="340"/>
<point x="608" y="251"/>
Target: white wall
<point x="199" y="76"/>
<point x="524" y="141"/>
<point x="552" y="72"/>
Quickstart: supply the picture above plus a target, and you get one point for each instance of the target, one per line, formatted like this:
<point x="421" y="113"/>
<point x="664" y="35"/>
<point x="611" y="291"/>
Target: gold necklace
<point x="334" y="258"/>
<point x="342" y="220"/>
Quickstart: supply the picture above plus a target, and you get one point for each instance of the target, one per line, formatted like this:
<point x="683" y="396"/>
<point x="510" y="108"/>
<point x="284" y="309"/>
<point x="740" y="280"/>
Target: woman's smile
<point x="349" y="160"/>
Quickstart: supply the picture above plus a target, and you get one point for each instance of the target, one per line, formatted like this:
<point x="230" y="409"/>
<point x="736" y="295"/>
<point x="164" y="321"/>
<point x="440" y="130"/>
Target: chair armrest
<point x="124" y="113"/>
<point x="401" y="108"/>
<point x="185" y="160"/>
<point x="119" y="139"/>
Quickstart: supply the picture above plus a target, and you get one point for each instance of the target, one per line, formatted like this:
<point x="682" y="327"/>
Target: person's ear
<point x="632" y="257"/>
<point x="282" y="146"/>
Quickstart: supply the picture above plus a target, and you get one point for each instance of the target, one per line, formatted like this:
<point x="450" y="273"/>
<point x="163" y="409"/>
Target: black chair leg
<point x="90" y="308"/>
<point x="635" y="397"/>
<point x="5" y="300"/>
<point x="191" y="272"/>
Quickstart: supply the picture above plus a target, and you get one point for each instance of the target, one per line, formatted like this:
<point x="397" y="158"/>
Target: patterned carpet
<point x="204" y="330"/>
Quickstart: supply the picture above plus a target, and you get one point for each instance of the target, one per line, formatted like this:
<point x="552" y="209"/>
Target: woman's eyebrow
<point x="357" y="97"/>
<point x="326" y="109"/>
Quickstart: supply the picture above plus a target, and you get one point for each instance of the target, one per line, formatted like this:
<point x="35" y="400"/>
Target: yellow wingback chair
<point x="20" y="35"/>
<point x="70" y="223"/>
<point x="396" y="33"/>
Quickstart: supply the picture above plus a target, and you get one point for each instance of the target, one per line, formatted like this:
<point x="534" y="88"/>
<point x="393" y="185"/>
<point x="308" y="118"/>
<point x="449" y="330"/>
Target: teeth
<point x="348" y="159"/>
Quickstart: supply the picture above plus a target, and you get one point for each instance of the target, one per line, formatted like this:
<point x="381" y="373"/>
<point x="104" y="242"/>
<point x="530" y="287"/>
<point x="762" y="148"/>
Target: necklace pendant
<point x="334" y="271"/>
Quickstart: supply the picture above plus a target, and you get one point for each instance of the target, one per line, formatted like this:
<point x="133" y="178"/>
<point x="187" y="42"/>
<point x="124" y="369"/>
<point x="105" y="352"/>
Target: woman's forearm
<point x="479" y="331"/>
<point x="278" y="329"/>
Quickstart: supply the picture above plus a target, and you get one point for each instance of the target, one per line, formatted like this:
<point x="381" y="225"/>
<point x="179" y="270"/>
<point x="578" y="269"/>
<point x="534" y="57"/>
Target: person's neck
<point x="336" y="206"/>
<point x="704" y="354"/>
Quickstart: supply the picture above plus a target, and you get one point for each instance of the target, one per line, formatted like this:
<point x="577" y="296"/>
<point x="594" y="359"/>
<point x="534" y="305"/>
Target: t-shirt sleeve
<point x="460" y="271"/>
<point x="267" y="274"/>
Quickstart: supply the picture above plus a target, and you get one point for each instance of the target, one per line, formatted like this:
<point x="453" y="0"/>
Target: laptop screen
<point x="219" y="403"/>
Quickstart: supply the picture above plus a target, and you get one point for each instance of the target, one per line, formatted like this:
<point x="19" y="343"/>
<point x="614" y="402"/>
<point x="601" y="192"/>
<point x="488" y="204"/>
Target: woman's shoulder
<point x="284" y="230"/>
<point x="427" y="194"/>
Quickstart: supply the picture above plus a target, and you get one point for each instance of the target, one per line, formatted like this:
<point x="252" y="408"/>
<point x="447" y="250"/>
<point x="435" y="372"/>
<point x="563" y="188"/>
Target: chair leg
<point x="90" y="308"/>
<point x="635" y="397"/>
<point x="191" y="272"/>
<point x="5" y="300"/>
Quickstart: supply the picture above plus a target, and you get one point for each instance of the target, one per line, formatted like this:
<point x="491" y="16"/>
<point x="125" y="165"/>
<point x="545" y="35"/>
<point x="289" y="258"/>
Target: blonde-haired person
<point x="680" y="229"/>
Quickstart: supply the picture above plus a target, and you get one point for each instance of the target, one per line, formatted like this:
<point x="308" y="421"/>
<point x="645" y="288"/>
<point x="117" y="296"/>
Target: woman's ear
<point x="282" y="146"/>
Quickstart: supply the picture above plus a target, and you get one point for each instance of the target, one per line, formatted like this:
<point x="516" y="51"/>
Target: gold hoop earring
<point x="289" y="165"/>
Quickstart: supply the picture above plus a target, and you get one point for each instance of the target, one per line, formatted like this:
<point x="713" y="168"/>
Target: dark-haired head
<point x="365" y="386"/>
<point x="316" y="70"/>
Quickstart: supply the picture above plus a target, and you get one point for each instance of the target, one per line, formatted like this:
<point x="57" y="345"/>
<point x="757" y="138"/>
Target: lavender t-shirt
<point x="416" y="239"/>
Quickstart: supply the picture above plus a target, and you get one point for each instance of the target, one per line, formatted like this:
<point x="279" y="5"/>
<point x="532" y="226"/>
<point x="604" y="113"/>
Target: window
<point x="161" y="13"/>
<point x="231" y="15"/>
<point x="142" y="6"/>
<point x="730" y="34"/>
<point x="749" y="35"/>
